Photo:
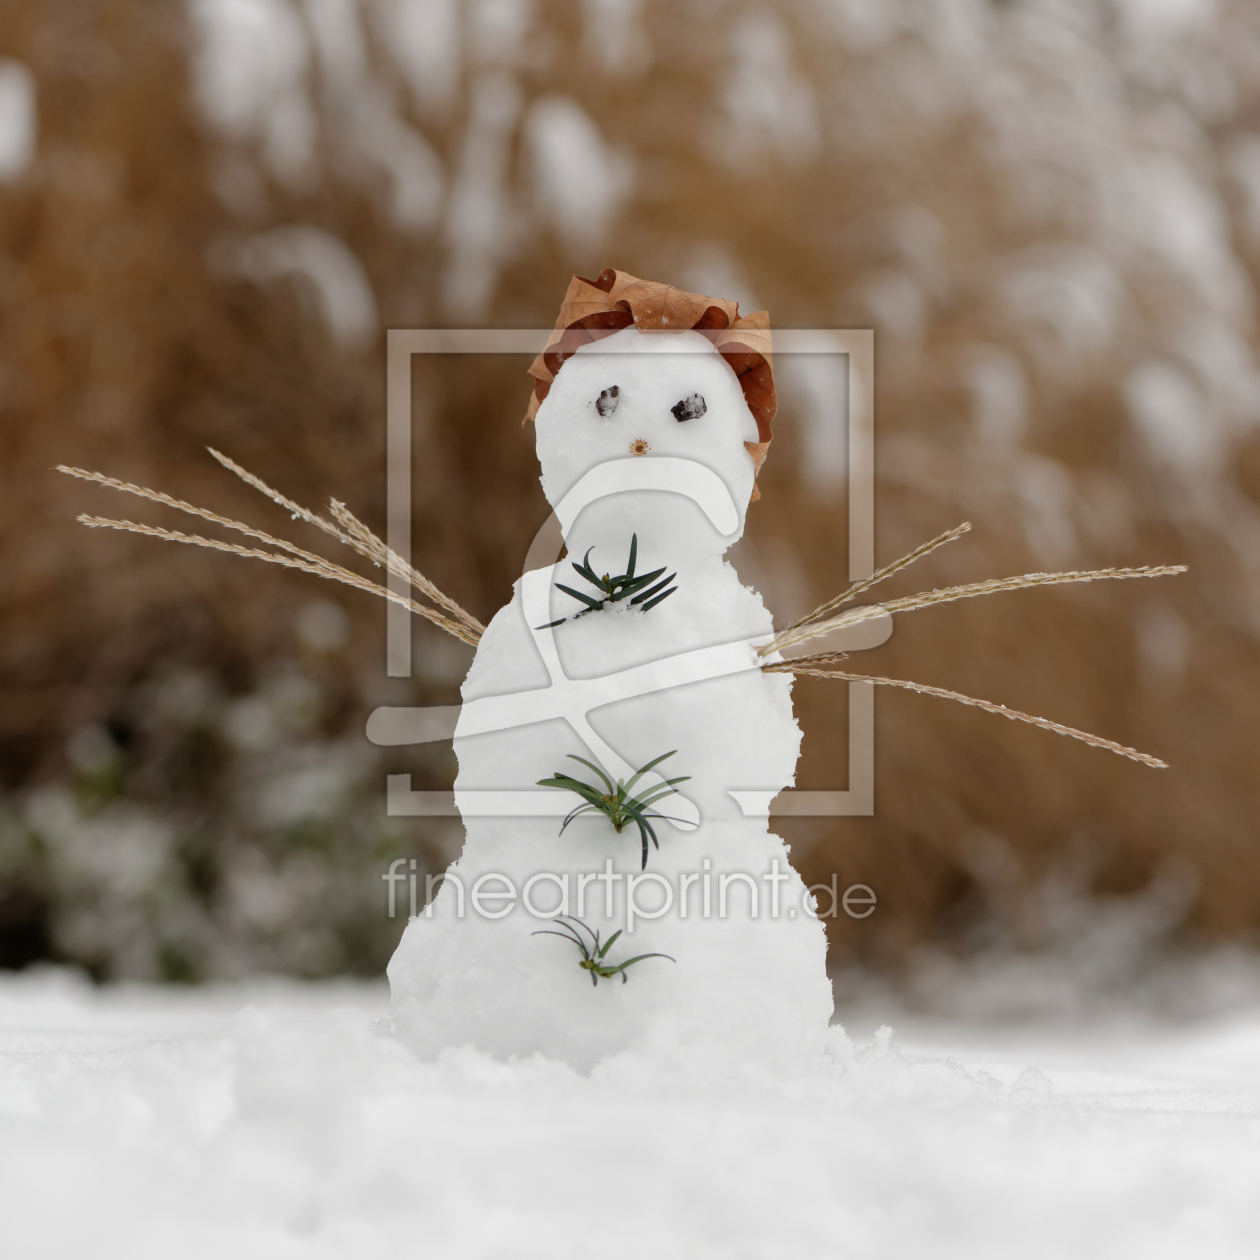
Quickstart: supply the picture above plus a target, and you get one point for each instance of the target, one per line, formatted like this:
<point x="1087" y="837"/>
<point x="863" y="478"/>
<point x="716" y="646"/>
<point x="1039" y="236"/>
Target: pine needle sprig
<point x="617" y="803"/>
<point x="595" y="954"/>
<point x="644" y="591"/>
<point x="809" y="666"/>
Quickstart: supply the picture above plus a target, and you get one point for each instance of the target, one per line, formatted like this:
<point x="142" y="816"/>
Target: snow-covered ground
<point x="279" y="1120"/>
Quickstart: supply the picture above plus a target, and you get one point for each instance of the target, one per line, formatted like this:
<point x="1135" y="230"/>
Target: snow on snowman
<point x="644" y="685"/>
<point x="649" y="448"/>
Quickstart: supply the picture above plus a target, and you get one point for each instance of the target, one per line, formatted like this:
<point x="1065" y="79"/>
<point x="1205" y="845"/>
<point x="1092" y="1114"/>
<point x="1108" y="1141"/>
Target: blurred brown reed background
<point x="1049" y="210"/>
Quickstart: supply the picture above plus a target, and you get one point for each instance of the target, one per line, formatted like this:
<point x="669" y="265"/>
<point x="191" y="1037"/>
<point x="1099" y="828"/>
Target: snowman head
<point x="652" y="371"/>
<point x="635" y="396"/>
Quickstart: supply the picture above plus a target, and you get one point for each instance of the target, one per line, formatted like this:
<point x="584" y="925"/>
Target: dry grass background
<point x="1049" y="210"/>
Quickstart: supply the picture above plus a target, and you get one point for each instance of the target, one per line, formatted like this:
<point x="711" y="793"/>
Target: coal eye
<point x="689" y="408"/>
<point x="606" y="403"/>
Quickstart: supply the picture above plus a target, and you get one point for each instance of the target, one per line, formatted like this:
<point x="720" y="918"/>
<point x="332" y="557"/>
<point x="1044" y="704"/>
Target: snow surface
<point x="280" y="1121"/>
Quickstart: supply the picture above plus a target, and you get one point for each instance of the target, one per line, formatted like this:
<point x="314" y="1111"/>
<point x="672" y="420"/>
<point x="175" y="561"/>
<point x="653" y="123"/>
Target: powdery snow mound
<point x="286" y="1122"/>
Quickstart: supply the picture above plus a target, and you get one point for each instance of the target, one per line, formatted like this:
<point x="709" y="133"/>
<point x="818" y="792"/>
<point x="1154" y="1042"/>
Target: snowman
<point x="684" y="931"/>
<point x="657" y="916"/>
<point x="657" y="920"/>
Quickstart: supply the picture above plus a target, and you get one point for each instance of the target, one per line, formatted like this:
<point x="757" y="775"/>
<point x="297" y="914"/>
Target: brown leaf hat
<point x="597" y="308"/>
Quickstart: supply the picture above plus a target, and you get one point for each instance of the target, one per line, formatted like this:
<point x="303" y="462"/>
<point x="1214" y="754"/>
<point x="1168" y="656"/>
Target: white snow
<point x="251" y="66"/>
<point x="337" y="278"/>
<point x="1168" y="411"/>
<point x="279" y="1121"/>
<point x="770" y="110"/>
<point x="296" y="85"/>
<point x="579" y="180"/>
<point x="613" y="35"/>
<point x="423" y="36"/>
<point x="482" y="228"/>
<point x="17" y="118"/>
<point x="819" y="386"/>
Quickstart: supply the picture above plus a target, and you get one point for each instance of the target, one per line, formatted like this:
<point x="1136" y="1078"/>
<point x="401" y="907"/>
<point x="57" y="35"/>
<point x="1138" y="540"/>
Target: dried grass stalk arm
<point x="1095" y="741"/>
<point x="878" y="576"/>
<point x="368" y="544"/>
<point x="947" y="595"/>
<point x="354" y="534"/>
<point x="156" y="496"/>
<point x="363" y="540"/>
<point x="295" y="509"/>
<point x="324" y="568"/>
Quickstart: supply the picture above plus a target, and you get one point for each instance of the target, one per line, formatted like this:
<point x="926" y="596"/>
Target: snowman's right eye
<point x="690" y="408"/>
<point x="606" y="403"/>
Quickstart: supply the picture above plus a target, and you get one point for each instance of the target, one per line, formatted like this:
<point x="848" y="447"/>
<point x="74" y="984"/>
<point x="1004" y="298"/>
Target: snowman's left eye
<point x="690" y="408"/>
